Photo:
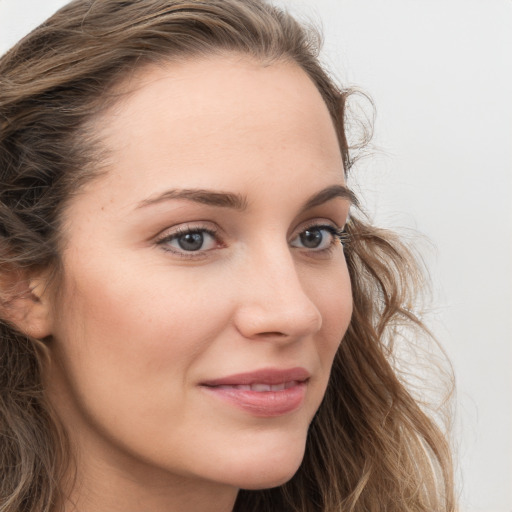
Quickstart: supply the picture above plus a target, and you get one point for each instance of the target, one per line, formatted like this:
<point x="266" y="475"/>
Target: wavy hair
<point x="371" y="446"/>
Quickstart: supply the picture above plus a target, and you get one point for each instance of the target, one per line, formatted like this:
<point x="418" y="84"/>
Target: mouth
<point x="260" y="387"/>
<point x="264" y="393"/>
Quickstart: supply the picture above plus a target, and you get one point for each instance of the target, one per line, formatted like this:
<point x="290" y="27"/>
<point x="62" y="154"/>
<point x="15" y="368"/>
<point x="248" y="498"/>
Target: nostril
<point x="271" y="334"/>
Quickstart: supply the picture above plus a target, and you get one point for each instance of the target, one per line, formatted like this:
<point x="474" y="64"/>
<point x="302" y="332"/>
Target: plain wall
<point x="440" y="74"/>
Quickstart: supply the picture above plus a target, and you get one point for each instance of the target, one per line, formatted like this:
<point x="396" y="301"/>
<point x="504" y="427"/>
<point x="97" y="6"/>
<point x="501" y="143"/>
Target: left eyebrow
<point x="330" y="193"/>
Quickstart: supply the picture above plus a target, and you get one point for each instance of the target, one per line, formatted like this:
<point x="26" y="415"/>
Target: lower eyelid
<point x="165" y="240"/>
<point x="333" y="231"/>
<point x="336" y="235"/>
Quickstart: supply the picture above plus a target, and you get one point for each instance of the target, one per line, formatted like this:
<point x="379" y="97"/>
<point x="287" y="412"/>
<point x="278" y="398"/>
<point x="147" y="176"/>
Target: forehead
<point x="218" y="121"/>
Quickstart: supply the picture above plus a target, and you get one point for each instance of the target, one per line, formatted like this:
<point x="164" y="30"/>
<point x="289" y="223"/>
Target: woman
<point x="183" y="327"/>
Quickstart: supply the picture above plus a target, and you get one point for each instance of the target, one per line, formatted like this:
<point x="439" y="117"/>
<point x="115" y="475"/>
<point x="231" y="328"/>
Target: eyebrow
<point x="208" y="197"/>
<point x="330" y="193"/>
<point x="239" y="202"/>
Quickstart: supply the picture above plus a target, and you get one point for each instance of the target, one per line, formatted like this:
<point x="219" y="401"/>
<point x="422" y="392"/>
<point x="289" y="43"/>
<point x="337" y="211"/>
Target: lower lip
<point x="265" y="404"/>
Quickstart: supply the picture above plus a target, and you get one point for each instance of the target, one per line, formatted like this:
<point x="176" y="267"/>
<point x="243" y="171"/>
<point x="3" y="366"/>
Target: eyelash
<point x="186" y="230"/>
<point x="336" y="234"/>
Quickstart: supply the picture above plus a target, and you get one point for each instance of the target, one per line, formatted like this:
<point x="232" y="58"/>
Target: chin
<point x="267" y="468"/>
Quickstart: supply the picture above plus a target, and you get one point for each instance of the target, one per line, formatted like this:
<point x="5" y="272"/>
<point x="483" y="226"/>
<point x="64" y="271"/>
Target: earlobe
<point x="25" y="303"/>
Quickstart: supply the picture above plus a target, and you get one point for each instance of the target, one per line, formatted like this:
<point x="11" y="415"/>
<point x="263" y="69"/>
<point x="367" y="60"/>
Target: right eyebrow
<point x="208" y="197"/>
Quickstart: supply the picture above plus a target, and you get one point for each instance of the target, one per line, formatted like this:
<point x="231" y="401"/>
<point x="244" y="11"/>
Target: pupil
<point x="311" y="238"/>
<point x="191" y="241"/>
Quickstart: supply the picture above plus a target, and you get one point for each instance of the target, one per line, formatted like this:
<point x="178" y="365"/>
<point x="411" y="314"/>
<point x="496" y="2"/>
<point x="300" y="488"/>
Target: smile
<point x="264" y="393"/>
<point x="260" y="387"/>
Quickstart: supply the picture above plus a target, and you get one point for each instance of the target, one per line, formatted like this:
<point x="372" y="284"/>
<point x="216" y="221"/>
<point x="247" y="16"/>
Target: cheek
<point x="332" y="295"/>
<point x="135" y="325"/>
<point x="125" y="349"/>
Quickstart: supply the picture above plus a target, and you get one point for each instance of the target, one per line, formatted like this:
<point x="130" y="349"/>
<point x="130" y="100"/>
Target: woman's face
<point x="205" y="291"/>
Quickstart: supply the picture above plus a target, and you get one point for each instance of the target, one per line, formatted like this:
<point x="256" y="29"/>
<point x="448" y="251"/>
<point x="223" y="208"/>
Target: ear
<point x="25" y="303"/>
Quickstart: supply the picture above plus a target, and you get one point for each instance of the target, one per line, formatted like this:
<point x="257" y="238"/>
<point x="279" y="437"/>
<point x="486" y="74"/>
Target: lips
<point x="263" y="393"/>
<point x="269" y="376"/>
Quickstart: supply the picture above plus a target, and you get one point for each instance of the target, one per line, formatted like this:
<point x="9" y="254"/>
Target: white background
<point x="440" y="74"/>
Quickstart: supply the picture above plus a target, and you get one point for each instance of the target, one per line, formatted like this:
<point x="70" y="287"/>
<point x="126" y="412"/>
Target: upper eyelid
<point x="214" y="229"/>
<point x="186" y="227"/>
<point x="319" y="222"/>
<point x="168" y="235"/>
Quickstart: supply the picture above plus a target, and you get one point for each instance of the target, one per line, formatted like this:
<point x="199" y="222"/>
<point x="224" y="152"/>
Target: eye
<point x="187" y="240"/>
<point x="316" y="238"/>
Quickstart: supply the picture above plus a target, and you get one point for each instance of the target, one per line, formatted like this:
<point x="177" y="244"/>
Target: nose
<point x="272" y="302"/>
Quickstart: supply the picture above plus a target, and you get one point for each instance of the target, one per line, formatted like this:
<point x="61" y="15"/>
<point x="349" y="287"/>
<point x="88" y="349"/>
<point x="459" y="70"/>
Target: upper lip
<point x="262" y="376"/>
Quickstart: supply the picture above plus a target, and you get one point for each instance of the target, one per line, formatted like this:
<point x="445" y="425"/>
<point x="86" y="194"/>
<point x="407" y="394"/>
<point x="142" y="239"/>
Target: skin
<point x="139" y="323"/>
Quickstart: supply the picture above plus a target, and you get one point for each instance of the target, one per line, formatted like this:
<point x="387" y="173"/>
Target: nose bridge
<point x="274" y="300"/>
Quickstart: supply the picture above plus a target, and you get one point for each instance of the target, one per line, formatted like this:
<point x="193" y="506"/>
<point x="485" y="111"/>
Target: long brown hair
<point x="371" y="446"/>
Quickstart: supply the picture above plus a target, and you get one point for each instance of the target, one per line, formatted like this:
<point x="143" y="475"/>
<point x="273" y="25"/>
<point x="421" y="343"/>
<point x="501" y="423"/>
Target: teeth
<point x="261" y="388"/>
